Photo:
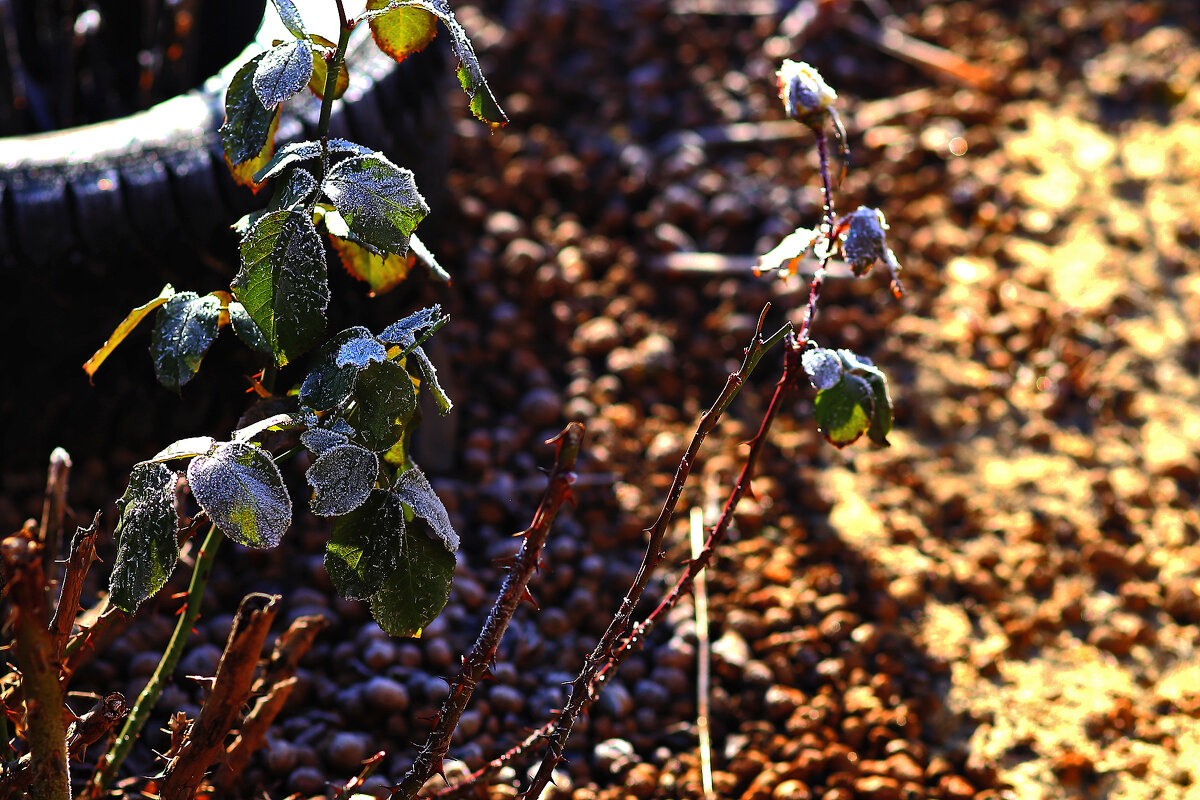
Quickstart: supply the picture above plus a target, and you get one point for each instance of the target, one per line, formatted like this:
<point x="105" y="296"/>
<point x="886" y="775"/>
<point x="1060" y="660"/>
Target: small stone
<point x="642" y="781"/>
<point x="615" y="700"/>
<point x="614" y="755"/>
<point x="597" y="336"/>
<point x="877" y="787"/>
<point x="346" y="750"/>
<point x="506" y="699"/>
<point x="956" y="787"/>
<point x="385" y="694"/>
<point x="306" y="781"/>
<point x="201" y="661"/>
<point x="540" y="407"/>
<point x="732" y="649"/>
<point x="379" y="655"/>
<point x="791" y="789"/>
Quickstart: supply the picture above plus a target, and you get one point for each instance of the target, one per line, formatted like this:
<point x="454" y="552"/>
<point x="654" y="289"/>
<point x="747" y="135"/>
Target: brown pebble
<point x="877" y="787"/>
<point x="956" y="787"/>
<point x="642" y="781"/>
<point x="792" y="790"/>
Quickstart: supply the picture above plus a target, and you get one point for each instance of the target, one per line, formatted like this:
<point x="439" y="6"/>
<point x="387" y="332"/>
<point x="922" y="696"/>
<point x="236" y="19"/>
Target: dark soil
<point x="1001" y="604"/>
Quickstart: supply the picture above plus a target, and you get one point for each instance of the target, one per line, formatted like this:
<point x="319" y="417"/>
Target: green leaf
<point x="185" y="328"/>
<point x="249" y="130"/>
<point x="327" y="384"/>
<point x="399" y="29"/>
<point x="429" y="372"/>
<point x="271" y="424"/>
<point x="361" y="353"/>
<point x="290" y="16"/>
<point x="341" y="478"/>
<point x="246" y="330"/>
<point x="283" y="282"/>
<point x="291" y="154"/>
<point x="300" y="186"/>
<point x="382" y="272"/>
<point x="386" y="401"/>
<point x="378" y="200"/>
<point x="185" y="448"/>
<point x="283" y="72"/>
<point x="413" y="488"/>
<point x="881" y="409"/>
<point x="366" y="546"/>
<point x="320" y="74"/>
<point x="844" y="410"/>
<point x="404" y="332"/>
<point x="240" y="488"/>
<point x="417" y="591"/>
<point x="127" y="325"/>
<point x="147" y="540"/>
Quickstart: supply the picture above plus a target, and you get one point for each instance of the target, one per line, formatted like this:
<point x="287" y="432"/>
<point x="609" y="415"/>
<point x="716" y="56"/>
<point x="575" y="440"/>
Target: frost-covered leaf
<point x="864" y="240"/>
<point x="417" y="591"/>
<point x="378" y="200"/>
<point x="417" y="248"/>
<point x="429" y="372"/>
<point x="786" y="256"/>
<point x="320" y="74"/>
<point x="290" y="16"/>
<point x="283" y="72"/>
<point x="246" y="222"/>
<point x="283" y="283"/>
<point x="386" y="401"/>
<point x="413" y="488"/>
<point x="318" y="440"/>
<point x="240" y="488"/>
<point x="246" y="330"/>
<point x="291" y="154"/>
<point x="184" y="329"/>
<point x="404" y="332"/>
<point x="366" y="546"/>
<point x="185" y="448"/>
<point x="341" y="479"/>
<point x="122" y="330"/>
<point x="300" y="186"/>
<point x="381" y="271"/>
<point x="248" y="134"/>
<point x="327" y="384"/>
<point x="824" y="367"/>
<point x="402" y="30"/>
<point x="844" y="410"/>
<point x="147" y="540"/>
<point x="271" y="424"/>
<point x="360" y="352"/>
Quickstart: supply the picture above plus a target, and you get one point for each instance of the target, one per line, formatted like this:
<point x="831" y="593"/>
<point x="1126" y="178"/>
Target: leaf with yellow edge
<point x="402" y="31"/>
<point x="381" y="272"/>
<point x="243" y="173"/>
<point x="127" y="325"/>
<point x="248" y="133"/>
<point x="320" y="74"/>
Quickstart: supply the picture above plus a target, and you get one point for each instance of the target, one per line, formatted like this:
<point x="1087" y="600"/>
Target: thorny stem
<point x="333" y="66"/>
<point x="581" y="687"/>
<point x="829" y="224"/>
<point x="475" y="663"/>
<point x="38" y="659"/>
<point x="106" y="770"/>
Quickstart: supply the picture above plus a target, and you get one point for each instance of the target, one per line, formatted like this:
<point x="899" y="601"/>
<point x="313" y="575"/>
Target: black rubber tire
<point x="140" y="185"/>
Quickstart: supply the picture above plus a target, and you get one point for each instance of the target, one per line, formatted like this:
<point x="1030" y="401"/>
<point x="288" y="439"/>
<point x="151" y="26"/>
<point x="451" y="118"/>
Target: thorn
<point x="528" y="598"/>
<point x="519" y="534"/>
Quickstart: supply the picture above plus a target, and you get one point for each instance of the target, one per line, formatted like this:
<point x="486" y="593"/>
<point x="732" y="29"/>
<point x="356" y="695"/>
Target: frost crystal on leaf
<point x="147" y="543"/>
<point x="360" y="352"/>
<point x="413" y="488"/>
<point x="240" y="488"/>
<point x="863" y="243"/>
<point x="318" y="440"/>
<point x="803" y="91"/>
<point x="823" y="367"/>
<point x="378" y="200"/>
<point x="342" y="478"/>
<point x="404" y="332"/>
<point x="284" y="71"/>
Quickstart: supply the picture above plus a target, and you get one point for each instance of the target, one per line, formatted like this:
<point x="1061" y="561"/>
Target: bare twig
<point x="581" y="687"/>
<point x="829" y="222"/>
<point x="703" y="657"/>
<point x="83" y="552"/>
<point x="274" y="686"/>
<point x="368" y="769"/>
<point x="938" y="60"/>
<point x="98" y="627"/>
<point x="37" y="658"/>
<point x="53" y="509"/>
<point x="515" y="589"/>
<point x="205" y="740"/>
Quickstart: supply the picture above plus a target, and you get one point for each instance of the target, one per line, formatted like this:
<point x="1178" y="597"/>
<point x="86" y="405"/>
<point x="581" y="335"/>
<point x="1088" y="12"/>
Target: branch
<point x="83" y="552"/>
<point x="37" y="659"/>
<point x="53" y="509"/>
<point x="204" y="742"/>
<point x="515" y="589"/>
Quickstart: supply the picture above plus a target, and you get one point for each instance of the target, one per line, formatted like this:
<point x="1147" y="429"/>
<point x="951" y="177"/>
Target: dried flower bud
<point x="804" y="93"/>
<point x="864" y="242"/>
